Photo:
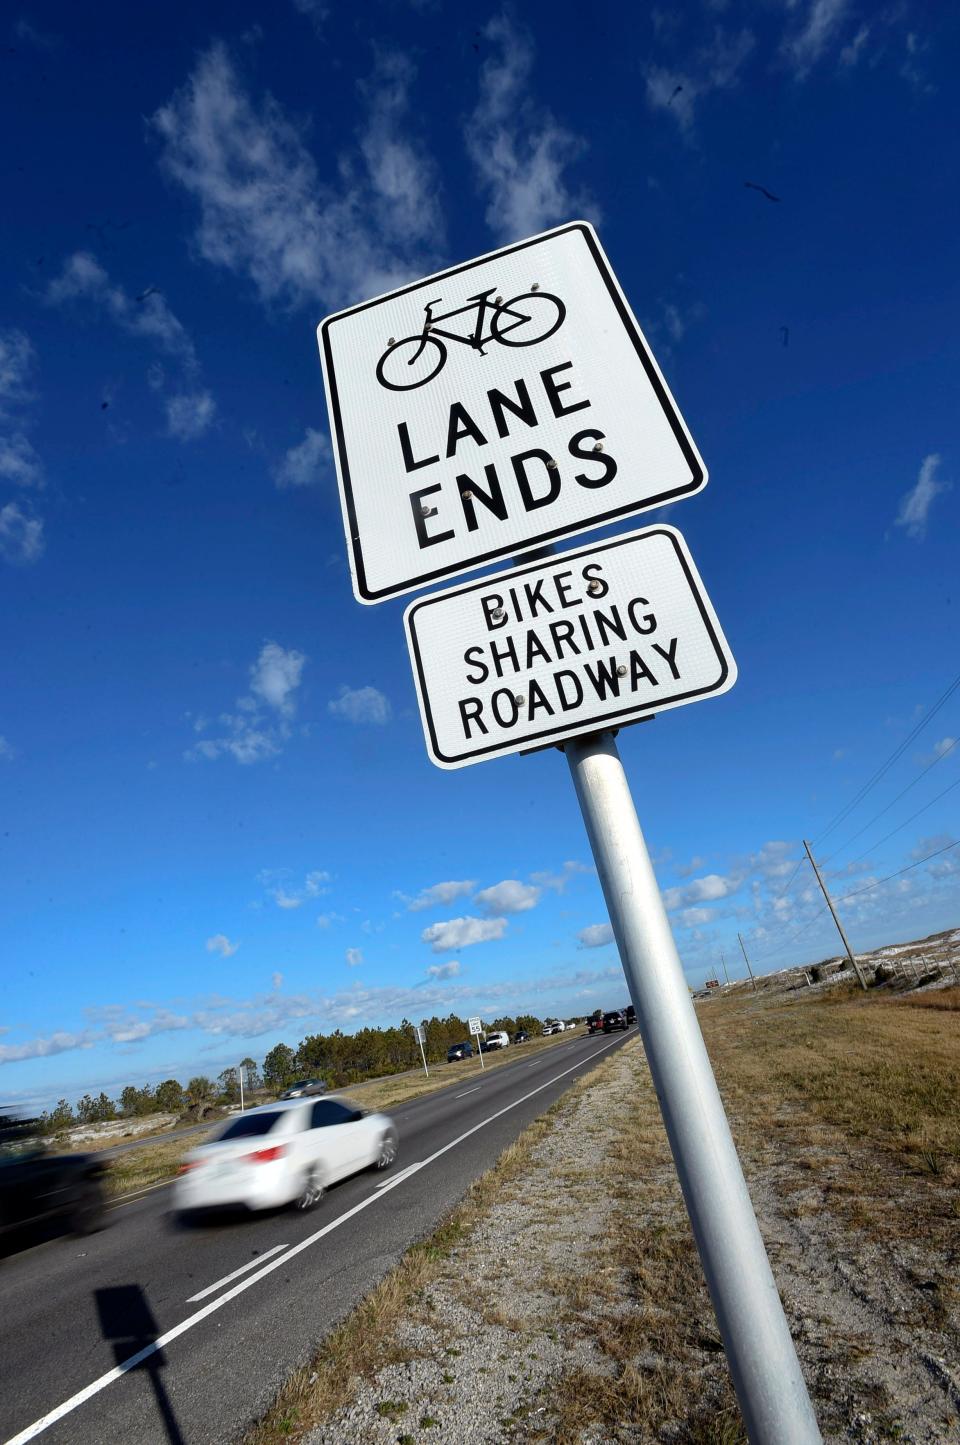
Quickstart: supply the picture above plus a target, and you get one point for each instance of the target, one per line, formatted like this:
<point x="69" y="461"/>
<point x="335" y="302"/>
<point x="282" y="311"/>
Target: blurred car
<point x="36" y="1186"/>
<point x="615" y="1019"/>
<point x="521" y="1036"/>
<point x="305" y="1088"/>
<point x="631" y="1015"/>
<point x="284" y="1153"/>
<point x="459" y="1051"/>
<point x="595" y="1023"/>
<point x="499" y="1039"/>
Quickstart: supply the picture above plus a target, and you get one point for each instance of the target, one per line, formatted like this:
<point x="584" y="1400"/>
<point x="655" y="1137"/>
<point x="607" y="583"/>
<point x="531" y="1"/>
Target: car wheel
<point x="387" y="1154"/>
<point x="311" y="1193"/>
<point x="87" y="1214"/>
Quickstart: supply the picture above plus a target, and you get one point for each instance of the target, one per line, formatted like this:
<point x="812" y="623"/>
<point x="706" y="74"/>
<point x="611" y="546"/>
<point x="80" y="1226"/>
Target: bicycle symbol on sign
<point x="522" y="321"/>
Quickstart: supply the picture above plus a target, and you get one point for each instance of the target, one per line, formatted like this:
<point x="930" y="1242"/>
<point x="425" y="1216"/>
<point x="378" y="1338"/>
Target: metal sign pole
<point x="766" y="1373"/>
<point x="240" y="1072"/>
<point x="422" y="1054"/>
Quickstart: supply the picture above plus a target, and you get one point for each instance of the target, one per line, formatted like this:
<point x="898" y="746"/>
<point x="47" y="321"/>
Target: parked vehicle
<point x="521" y="1036"/>
<point x="36" y="1186"/>
<point x="284" y="1153"/>
<point x="499" y="1039"/>
<point x="631" y="1014"/>
<point x="615" y="1019"/>
<point x="459" y="1051"/>
<point x="305" y="1088"/>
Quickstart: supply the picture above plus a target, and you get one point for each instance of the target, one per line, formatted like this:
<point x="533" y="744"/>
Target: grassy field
<point x="846" y="1111"/>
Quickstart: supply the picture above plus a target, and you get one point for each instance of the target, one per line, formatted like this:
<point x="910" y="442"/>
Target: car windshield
<point x="250" y="1125"/>
<point x="300" y="1084"/>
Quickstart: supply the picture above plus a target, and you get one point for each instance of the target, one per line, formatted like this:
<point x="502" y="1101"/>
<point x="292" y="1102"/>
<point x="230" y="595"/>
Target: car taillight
<point x="192" y="1164"/>
<point x="266" y="1156"/>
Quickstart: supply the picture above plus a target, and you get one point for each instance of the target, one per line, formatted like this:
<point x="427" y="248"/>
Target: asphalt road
<point x="153" y="1332"/>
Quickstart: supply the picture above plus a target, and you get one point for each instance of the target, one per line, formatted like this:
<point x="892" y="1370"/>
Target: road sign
<point x="494" y="407"/>
<point x="475" y="1026"/>
<point x="592" y="638"/>
<point x="419" y="1033"/>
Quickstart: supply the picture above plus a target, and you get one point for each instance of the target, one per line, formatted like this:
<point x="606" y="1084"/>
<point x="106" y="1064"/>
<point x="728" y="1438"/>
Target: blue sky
<point x="219" y="825"/>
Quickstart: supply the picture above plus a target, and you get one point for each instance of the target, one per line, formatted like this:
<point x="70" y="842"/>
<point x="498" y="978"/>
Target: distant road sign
<point x="493" y="407"/>
<point x="421" y="1036"/>
<point x="592" y="638"/>
<point x="475" y="1026"/>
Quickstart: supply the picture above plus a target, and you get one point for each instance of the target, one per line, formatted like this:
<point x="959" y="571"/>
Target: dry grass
<point x="947" y="999"/>
<point x="153" y="1164"/>
<point x="397" y="1089"/>
<point x="365" y="1341"/>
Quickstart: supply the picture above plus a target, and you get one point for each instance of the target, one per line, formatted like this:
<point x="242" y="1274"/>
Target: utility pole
<point x="823" y="889"/>
<point x="747" y="962"/>
<point x="724" y="963"/>
<point x="240" y="1074"/>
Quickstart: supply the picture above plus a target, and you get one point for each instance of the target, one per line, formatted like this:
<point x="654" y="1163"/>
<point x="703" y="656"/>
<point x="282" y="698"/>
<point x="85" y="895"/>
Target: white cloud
<point x="850" y="54"/>
<point x="360" y="705"/>
<point x="702" y="890"/>
<point x="276" y="980"/>
<point x="519" y="150"/>
<point x="819" y="27"/>
<point x="19" y="462"/>
<point x="303" y="465"/>
<point x="265" y="211"/>
<point x="939" y="750"/>
<point x="915" y="505"/>
<point x="715" y="66"/>
<point x="354" y="957"/>
<point x="258" y="729"/>
<point x="221" y="944"/>
<point x="595" y="936"/>
<point x="444" y="970"/>
<point x="696" y="917"/>
<point x="315" y="11"/>
<point x="149" y="316"/>
<point x="190" y="414"/>
<point x="7" y="752"/>
<point x="275" y="676"/>
<point x="559" y="881"/>
<point x="21" y="535"/>
<point x="324" y="920"/>
<point x="462" y="932"/>
<point x="508" y="897"/>
<point x="439" y="893"/>
<point x="314" y="886"/>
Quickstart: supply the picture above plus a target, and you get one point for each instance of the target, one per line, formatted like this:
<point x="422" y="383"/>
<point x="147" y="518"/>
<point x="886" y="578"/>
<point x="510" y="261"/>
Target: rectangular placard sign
<point x="592" y="638"/>
<point x="493" y="407"/>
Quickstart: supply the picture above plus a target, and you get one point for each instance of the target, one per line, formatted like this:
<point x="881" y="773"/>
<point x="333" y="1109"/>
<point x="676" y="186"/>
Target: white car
<point x="499" y="1039"/>
<point x="284" y="1153"/>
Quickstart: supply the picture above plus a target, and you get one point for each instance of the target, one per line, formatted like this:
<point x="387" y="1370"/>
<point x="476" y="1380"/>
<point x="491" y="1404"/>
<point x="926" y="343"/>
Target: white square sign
<point x="475" y="1026"/>
<point x="593" y="638"/>
<point x="494" y="407"/>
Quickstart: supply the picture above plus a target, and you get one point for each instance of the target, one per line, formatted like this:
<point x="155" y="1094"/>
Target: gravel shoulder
<point x="564" y="1300"/>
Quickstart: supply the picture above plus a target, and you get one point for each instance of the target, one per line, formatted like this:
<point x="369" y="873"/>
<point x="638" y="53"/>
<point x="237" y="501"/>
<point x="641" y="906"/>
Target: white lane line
<point x="466" y="1092"/>
<point x="244" y="1269"/>
<point x="95" y="1387"/>
<point x="120" y="1199"/>
<point x="393" y="1179"/>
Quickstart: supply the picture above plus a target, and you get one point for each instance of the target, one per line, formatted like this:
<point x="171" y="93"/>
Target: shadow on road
<point x="127" y="1321"/>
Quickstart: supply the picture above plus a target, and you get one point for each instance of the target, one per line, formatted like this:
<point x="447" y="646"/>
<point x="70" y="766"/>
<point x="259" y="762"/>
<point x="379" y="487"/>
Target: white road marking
<point x="95" y="1386"/>
<point x="467" y="1091"/>
<point x="244" y="1268"/>
<point x="120" y="1199"/>
<point x="393" y="1179"/>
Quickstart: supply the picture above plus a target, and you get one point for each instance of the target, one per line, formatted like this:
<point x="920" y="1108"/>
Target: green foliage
<point x="169" y="1097"/>
<point x="200" y="1095"/>
<point x="136" y="1103"/>
<point x="251" y="1075"/>
<point x="228" y="1086"/>
<point x="95" y="1111"/>
<point x="54" y="1121"/>
<point x="279" y="1067"/>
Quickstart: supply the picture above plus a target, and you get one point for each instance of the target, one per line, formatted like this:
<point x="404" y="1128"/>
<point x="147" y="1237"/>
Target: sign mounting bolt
<point x="392" y="341"/>
<point x="622" y="670"/>
<point x="426" y="511"/>
<point x="598" y="446"/>
<point x="519" y="699"/>
<point x="498" y="615"/>
<point x="498" y="300"/>
<point x="595" y="587"/>
<point x="553" y="465"/>
<point x="535" y="286"/>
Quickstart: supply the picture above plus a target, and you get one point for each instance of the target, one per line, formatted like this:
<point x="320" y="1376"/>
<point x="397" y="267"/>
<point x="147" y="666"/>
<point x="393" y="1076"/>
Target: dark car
<point x="631" y="1014"/>
<point x="305" y="1087"/>
<point x="37" y="1187"/>
<point x="595" y="1023"/>
<point x="521" y="1036"/>
<point x="459" y="1051"/>
<point x="615" y="1019"/>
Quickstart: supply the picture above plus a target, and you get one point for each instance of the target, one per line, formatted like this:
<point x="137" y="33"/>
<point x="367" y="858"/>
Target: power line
<point x="938" y="759"/>
<point x="870" y="886"/>
<point x="905" y="823"/>
<point x="894" y="757"/>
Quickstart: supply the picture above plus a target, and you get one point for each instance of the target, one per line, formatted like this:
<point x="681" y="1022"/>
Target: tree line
<point x="339" y="1059"/>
